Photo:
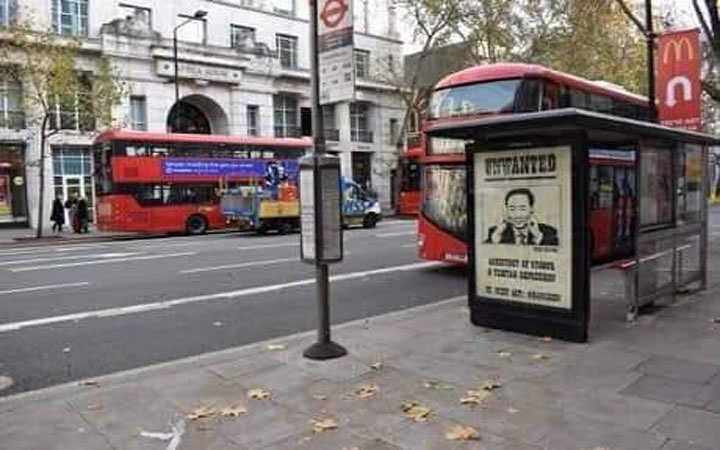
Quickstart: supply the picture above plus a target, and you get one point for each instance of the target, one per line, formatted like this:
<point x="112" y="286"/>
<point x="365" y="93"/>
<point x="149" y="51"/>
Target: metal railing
<point x="290" y="131"/>
<point x="12" y="120"/>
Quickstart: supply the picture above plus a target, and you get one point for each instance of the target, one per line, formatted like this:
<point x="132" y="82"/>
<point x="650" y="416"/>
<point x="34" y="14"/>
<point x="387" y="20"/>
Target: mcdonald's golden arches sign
<point x="677" y="81"/>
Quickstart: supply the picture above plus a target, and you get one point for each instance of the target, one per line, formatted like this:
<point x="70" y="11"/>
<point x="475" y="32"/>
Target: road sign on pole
<point x="335" y="50"/>
<point x="321" y="238"/>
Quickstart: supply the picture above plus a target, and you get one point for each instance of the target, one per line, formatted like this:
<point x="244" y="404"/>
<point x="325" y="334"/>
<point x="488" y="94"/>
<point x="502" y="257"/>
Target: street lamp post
<point x="199" y="14"/>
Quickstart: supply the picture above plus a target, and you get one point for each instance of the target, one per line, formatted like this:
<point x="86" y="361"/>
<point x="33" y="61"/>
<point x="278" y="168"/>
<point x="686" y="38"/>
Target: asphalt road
<point x="69" y="312"/>
<point x="74" y="311"/>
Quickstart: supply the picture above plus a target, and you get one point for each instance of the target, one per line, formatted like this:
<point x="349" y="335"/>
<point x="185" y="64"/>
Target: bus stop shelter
<point x="532" y="185"/>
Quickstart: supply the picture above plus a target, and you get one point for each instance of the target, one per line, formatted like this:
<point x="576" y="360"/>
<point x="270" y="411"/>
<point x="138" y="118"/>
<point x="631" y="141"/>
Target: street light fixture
<point x="199" y="14"/>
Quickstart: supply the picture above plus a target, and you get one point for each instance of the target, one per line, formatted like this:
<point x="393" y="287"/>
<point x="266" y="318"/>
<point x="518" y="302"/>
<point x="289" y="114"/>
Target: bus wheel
<point x="369" y="221"/>
<point x="196" y="225"/>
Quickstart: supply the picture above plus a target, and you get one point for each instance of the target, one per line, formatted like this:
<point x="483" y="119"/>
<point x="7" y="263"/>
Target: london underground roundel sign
<point x="333" y="13"/>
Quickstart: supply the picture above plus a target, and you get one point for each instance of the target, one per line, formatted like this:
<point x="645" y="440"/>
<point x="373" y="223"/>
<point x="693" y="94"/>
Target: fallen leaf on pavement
<point x="275" y="347"/>
<point x="201" y="412"/>
<point x="545" y="339"/>
<point x="95" y="383"/>
<point x="715" y="320"/>
<point x="233" y="411"/>
<point x="462" y="433"/>
<point x="320" y="397"/>
<point x="258" y="394"/>
<point x="475" y="397"/>
<point x="541" y="356"/>
<point x="217" y="324"/>
<point x="490" y="385"/>
<point x="366" y="391"/>
<point x="94" y="406"/>
<point x="513" y="410"/>
<point x="504" y="354"/>
<point x="431" y="384"/>
<point x="416" y="411"/>
<point x="323" y="425"/>
<point x="376" y="366"/>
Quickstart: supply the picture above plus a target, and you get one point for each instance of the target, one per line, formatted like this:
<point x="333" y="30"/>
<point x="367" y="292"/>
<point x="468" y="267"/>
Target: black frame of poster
<point x="540" y="320"/>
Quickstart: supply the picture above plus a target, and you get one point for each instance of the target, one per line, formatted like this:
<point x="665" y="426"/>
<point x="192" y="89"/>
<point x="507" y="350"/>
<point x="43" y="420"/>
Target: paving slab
<point x="691" y="425"/>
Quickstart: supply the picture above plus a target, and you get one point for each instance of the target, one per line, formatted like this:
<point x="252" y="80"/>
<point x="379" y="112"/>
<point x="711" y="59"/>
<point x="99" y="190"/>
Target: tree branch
<point x="632" y="16"/>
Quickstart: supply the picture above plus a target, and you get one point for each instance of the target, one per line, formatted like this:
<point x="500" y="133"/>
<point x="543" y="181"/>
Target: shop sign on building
<point x="166" y="68"/>
<point x="335" y="51"/>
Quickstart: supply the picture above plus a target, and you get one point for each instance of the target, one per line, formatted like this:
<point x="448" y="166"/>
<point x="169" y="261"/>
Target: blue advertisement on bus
<point x="228" y="167"/>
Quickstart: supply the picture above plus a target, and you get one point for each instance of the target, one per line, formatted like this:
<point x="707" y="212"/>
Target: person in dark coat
<point x="58" y="215"/>
<point x="83" y="215"/>
<point x="71" y="204"/>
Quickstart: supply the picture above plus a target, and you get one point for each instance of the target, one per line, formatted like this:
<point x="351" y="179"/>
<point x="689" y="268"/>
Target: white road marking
<point x="256" y="247"/>
<point x="413" y="245"/>
<point x="240" y="265"/>
<point x="43" y="288"/>
<point x="397" y="233"/>
<point x="112" y="312"/>
<point x="101" y="261"/>
<point x="65" y="258"/>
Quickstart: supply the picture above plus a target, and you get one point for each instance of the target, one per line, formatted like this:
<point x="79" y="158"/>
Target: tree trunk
<point x="41" y="200"/>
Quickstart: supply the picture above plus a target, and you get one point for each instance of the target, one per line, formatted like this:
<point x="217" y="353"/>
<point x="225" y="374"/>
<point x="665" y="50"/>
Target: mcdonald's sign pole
<point x="650" y="59"/>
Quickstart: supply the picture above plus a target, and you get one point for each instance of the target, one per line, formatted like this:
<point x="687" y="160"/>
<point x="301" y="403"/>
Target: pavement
<point x="652" y="384"/>
<point x="15" y="236"/>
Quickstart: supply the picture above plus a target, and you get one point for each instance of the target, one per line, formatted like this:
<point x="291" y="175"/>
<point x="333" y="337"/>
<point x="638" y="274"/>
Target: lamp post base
<point x="324" y="350"/>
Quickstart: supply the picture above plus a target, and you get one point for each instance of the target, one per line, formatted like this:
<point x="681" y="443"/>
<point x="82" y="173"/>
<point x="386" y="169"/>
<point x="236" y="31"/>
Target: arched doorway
<point x="187" y="118"/>
<point x="197" y="114"/>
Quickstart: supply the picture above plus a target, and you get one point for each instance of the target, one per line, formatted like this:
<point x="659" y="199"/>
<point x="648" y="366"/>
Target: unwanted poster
<point x="523" y="223"/>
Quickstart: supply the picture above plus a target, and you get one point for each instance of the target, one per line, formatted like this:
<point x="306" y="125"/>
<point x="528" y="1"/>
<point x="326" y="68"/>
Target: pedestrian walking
<point x="72" y="206"/>
<point x="58" y="215"/>
<point x="83" y="215"/>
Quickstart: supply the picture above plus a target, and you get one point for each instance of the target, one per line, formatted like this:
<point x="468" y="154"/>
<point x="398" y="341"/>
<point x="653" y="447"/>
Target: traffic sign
<point x="335" y="51"/>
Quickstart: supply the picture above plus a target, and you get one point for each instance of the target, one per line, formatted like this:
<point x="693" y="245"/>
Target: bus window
<point x="601" y="103"/>
<point x="528" y="96"/>
<point x="565" y="101"/>
<point x="594" y="188"/>
<point x="444" y="202"/>
<point x="579" y="99"/>
<point x="605" y="187"/>
<point x="550" y="97"/>
<point x="477" y="98"/>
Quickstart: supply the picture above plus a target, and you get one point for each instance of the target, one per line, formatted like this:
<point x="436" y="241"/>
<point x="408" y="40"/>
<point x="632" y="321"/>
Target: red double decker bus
<point x="497" y="89"/>
<point x="410" y="193"/>
<point x="165" y="183"/>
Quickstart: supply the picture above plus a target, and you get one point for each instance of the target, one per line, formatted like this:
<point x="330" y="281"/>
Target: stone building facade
<point x="243" y="68"/>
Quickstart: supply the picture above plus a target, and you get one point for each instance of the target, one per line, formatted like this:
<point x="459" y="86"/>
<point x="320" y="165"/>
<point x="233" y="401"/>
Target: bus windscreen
<point x="477" y="98"/>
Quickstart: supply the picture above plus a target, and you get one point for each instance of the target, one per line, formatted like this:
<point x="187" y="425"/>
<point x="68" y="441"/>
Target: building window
<point x="72" y="174"/>
<point x="8" y="12"/>
<point x="253" y="122"/>
<point x="362" y="64"/>
<point x="286" y="116"/>
<point x="77" y="114"/>
<point x="359" y="130"/>
<point x="328" y="114"/>
<point x="287" y="50"/>
<point x="138" y="112"/>
<point x="284" y="7"/>
<point x="138" y="17"/>
<point x="11" y="105"/>
<point x="70" y="17"/>
<point x="242" y="37"/>
<point x="393" y="131"/>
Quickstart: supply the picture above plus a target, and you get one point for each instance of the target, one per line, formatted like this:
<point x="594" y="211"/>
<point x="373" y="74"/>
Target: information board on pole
<point x="523" y="223"/>
<point x="335" y="51"/>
